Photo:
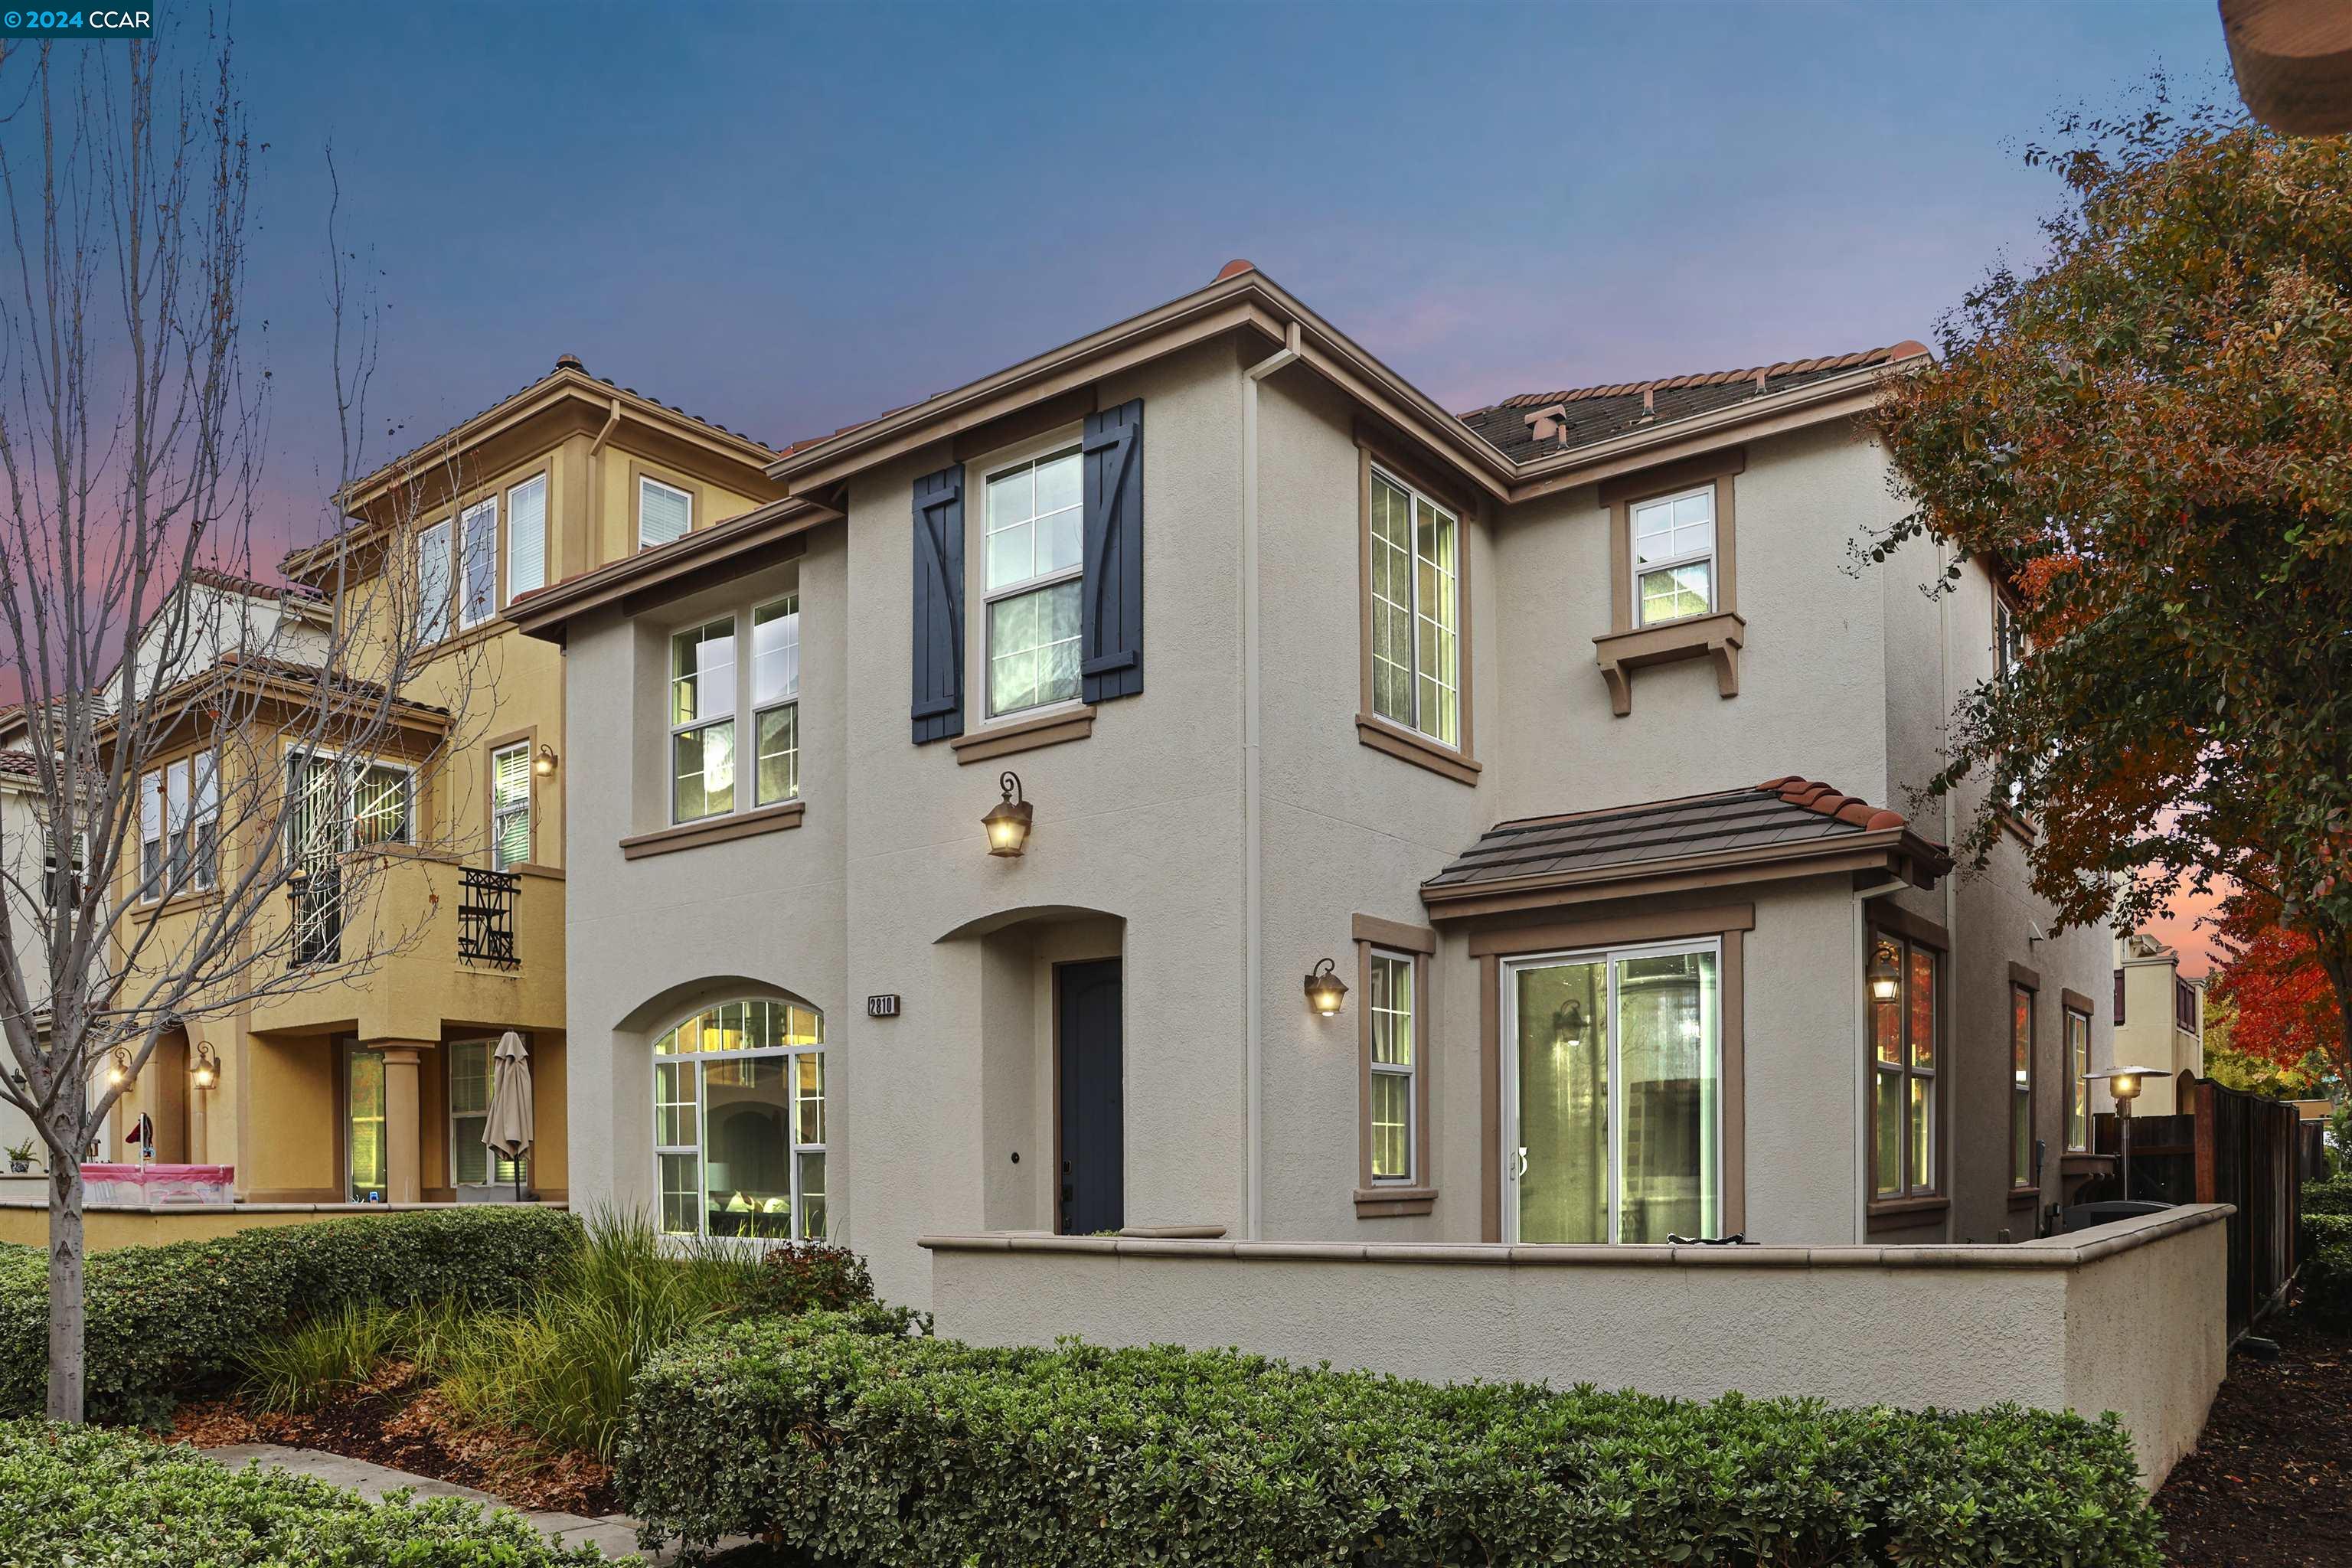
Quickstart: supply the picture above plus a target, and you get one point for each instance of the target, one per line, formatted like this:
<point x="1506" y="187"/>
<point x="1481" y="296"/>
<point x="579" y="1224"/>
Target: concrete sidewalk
<point x="615" y="1534"/>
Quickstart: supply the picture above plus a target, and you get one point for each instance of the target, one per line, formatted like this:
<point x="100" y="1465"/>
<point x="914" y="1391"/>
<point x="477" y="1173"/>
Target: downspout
<point x="1862" y="1081"/>
<point x="1253" y="815"/>
<point x="1951" y="885"/>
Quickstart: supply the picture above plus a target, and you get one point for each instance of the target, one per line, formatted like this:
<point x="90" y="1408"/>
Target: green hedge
<point x="2324" y="1271"/>
<point x="166" y="1321"/>
<point x="2332" y="1196"/>
<point x="78" y="1497"/>
<point x="860" y="1446"/>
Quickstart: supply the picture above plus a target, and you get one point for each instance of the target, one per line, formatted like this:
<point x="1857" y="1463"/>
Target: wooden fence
<point x="2230" y="1148"/>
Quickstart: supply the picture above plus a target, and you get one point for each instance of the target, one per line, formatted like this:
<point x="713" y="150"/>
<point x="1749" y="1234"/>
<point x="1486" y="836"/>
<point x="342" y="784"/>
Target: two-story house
<point x="372" y="1085"/>
<point x="1400" y="826"/>
<point x="2160" y="1021"/>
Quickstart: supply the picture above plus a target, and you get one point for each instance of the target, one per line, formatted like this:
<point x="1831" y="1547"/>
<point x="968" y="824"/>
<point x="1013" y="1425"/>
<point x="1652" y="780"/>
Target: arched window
<point x="739" y="1121"/>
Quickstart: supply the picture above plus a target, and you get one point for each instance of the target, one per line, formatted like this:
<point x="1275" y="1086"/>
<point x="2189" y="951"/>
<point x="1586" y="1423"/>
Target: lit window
<point x="2078" y="1079"/>
<point x="740" y="1122"/>
<point x="1033" y="582"/>
<point x="702" y="721"/>
<point x="1904" y="1063"/>
<point x="1673" y="556"/>
<point x="2021" y="1093"/>
<point x="1416" y="611"/>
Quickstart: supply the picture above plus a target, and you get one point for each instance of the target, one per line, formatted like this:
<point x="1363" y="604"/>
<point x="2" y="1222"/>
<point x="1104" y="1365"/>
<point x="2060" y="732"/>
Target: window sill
<point x="457" y="642"/>
<point x="2024" y="1197"/>
<point x="1417" y="749"/>
<point x="179" y="903"/>
<point x="1393" y="1203"/>
<point x="714" y="830"/>
<point x="1003" y="739"/>
<point x="1717" y="636"/>
<point x="2017" y="828"/>
<point x="1892" y="1214"/>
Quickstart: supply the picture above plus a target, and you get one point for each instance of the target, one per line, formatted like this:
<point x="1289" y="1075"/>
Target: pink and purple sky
<point x="787" y="217"/>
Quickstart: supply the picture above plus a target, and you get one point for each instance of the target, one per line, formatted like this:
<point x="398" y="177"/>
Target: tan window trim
<point x="698" y="516"/>
<point x="1002" y="740"/>
<point x="717" y="829"/>
<point x="1895" y="920"/>
<point x="1459" y="764"/>
<point x="1891" y="924"/>
<point x="2073" y="1004"/>
<point x="1893" y="1214"/>
<point x="1718" y="637"/>
<point x="1730" y="923"/>
<point x="1418" y="1194"/>
<point x="2030" y="982"/>
<point x="528" y="738"/>
<point x="1628" y="645"/>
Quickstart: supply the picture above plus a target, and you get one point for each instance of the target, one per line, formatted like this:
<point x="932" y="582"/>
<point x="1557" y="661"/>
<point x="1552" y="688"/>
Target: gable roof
<point x="1531" y="426"/>
<point x="1783" y="826"/>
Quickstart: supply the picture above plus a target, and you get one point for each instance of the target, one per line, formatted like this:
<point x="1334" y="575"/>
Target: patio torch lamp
<point x="2124" y="1084"/>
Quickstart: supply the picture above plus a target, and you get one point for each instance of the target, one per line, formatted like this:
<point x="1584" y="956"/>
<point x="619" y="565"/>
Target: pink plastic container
<point x="158" y="1187"/>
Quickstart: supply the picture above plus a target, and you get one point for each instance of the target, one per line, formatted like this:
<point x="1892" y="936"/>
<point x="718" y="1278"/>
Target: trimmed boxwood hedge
<point x="2324" y="1271"/>
<point x="860" y="1446"/>
<point x="2332" y="1196"/>
<point x="168" y="1321"/>
<point x="78" y="1497"/>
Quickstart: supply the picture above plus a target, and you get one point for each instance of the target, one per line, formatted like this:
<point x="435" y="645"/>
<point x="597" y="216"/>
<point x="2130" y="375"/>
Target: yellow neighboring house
<point x="372" y="1090"/>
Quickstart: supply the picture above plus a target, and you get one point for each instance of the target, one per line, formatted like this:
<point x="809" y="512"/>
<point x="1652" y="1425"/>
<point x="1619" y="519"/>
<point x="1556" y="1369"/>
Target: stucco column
<point x="402" y="1133"/>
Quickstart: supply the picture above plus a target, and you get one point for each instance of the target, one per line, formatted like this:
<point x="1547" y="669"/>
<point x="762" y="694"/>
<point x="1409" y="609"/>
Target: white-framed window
<point x="473" y="1068"/>
<point x="432" y="583"/>
<point x="702" y="721"/>
<point x="526" y="537"/>
<point x="1391" y="1003"/>
<point x="348" y="803"/>
<point x="63" y="891"/>
<point x="740" y="1122"/>
<point x="1904" y="1063"/>
<point x="1416" y="610"/>
<point x="1614" y="1117"/>
<point x="2078" y="1079"/>
<point x="510" y="805"/>
<point x="478" y="562"/>
<point x="179" y="826"/>
<point x="1673" y="556"/>
<point x="1033" y="567"/>
<point x="664" y="512"/>
<point x="776" y="701"/>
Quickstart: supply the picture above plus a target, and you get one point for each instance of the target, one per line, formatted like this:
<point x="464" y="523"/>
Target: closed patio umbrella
<point x="506" y="1129"/>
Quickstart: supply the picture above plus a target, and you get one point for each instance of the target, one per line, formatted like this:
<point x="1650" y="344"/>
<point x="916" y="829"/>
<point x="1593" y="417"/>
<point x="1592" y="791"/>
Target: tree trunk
<point x="68" y="1313"/>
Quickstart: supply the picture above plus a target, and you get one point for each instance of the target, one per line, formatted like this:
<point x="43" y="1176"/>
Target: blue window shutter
<point x="938" y="709"/>
<point x="1111" y="647"/>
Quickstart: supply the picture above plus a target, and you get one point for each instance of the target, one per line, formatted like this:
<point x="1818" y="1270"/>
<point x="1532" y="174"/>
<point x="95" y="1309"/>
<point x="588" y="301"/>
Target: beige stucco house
<point x="2159" y="1019"/>
<point x="1569" y="735"/>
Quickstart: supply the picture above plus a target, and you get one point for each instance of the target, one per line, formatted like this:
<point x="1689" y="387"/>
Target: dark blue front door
<point x="1094" y="1143"/>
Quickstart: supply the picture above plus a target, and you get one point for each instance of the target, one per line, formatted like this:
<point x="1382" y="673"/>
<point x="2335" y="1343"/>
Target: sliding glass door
<point x="1614" y="1108"/>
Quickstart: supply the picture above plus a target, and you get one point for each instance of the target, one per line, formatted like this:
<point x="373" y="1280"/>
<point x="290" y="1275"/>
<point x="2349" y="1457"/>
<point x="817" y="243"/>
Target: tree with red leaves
<point x="2150" y="439"/>
<point x="2270" y="976"/>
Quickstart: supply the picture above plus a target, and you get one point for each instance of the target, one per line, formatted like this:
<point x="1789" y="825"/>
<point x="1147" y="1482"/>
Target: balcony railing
<point x="318" y="903"/>
<point x="486" y="916"/>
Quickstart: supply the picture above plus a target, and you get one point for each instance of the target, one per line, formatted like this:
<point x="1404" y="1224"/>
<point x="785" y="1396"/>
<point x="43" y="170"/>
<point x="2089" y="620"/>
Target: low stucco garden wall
<point x="2128" y="1317"/>
<point x="24" y="1219"/>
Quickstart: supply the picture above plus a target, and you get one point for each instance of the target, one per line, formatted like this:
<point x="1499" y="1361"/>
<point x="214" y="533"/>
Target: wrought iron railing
<point x="318" y="901"/>
<point x="486" y="916"/>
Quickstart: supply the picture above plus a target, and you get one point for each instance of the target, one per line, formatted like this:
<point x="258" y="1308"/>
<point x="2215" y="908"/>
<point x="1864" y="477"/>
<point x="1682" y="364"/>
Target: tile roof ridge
<point x="1815" y="795"/>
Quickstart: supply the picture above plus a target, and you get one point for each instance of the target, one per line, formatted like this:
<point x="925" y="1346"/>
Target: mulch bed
<point x="2270" y="1485"/>
<point x="392" y="1423"/>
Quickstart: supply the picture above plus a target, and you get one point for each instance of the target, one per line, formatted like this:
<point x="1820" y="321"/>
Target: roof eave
<point x="547" y="612"/>
<point x="1848" y="392"/>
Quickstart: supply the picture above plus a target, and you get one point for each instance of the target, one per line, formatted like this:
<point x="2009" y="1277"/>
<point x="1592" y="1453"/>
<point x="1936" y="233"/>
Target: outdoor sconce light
<point x="1885" y="980"/>
<point x="207" y="1067"/>
<point x="118" y="1069"/>
<point x="544" y="764"/>
<point x="1326" y="992"/>
<point x="298" y="880"/>
<point x="1008" y="820"/>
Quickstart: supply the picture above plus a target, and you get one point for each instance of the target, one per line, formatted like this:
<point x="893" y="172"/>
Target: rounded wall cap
<point x="570" y="362"/>
<point x="1234" y="268"/>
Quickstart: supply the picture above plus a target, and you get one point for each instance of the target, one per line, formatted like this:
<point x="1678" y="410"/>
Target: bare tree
<point x="131" y="433"/>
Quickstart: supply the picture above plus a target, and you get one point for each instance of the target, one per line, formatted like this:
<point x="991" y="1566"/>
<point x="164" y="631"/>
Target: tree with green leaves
<point x="2149" y="439"/>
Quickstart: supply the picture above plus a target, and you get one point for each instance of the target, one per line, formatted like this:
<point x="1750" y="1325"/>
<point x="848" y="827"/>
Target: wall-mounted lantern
<point x="206" y="1071"/>
<point x="1008" y="820"/>
<point x="543" y="764"/>
<point x="1886" y="972"/>
<point x="117" y="1067"/>
<point x="1326" y="992"/>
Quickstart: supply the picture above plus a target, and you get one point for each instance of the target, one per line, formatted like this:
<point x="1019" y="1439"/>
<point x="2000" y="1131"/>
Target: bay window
<point x="1415" y="610"/>
<point x="1904" y="1063"/>
<point x="740" y="1122"/>
<point x="702" y="721"/>
<point x="1033" y="581"/>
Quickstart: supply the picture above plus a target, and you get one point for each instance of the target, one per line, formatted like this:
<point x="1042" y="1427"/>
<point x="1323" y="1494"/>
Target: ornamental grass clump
<point x="842" y="1437"/>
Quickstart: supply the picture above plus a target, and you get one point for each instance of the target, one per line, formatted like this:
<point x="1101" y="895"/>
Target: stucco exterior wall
<point x="1958" y="1328"/>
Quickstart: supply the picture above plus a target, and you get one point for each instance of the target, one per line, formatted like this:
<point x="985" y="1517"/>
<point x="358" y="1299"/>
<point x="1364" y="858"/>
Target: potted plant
<point x="20" y="1157"/>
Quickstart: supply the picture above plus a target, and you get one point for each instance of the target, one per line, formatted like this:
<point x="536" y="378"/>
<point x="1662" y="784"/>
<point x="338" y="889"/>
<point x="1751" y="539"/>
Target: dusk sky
<point x="787" y="217"/>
